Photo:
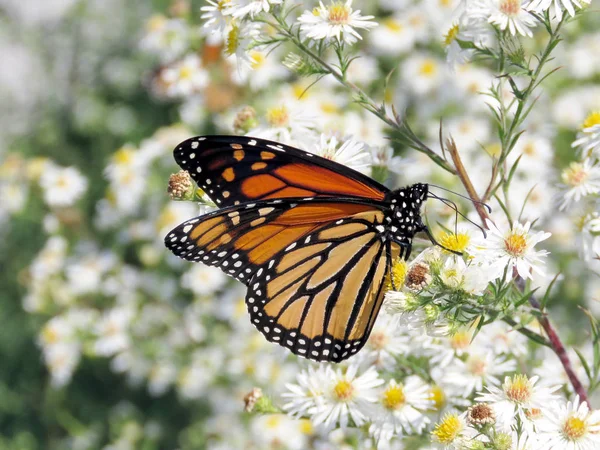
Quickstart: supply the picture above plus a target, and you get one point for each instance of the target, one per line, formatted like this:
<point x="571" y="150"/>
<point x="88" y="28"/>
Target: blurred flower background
<point x="110" y="342"/>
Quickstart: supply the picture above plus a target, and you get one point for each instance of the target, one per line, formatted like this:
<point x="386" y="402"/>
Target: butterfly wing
<point x="315" y="270"/>
<point x="238" y="169"/>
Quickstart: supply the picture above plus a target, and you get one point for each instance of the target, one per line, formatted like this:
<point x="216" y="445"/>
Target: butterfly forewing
<point x="233" y="170"/>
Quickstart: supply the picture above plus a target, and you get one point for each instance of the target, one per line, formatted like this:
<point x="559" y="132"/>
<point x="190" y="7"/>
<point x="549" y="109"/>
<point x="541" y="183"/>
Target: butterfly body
<point x="313" y="241"/>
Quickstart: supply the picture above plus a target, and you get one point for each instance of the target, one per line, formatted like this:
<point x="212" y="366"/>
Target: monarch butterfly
<point x="312" y="240"/>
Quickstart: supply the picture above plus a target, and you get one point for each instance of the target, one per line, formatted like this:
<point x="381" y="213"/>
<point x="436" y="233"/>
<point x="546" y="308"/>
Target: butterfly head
<point x="405" y="219"/>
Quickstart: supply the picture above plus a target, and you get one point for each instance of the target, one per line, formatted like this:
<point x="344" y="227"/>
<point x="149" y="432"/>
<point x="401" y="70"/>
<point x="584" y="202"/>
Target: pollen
<point x="339" y="13"/>
<point x="575" y="174"/>
<point x="518" y="388"/>
<point x="448" y="429"/>
<point x="457" y="242"/>
<point x="515" y="244"/>
<point x="574" y="428"/>
<point x="393" y="397"/>
<point x="592" y="119"/>
<point x="451" y="35"/>
<point x="438" y="397"/>
<point x="399" y="272"/>
<point x="510" y="7"/>
<point x="343" y="391"/>
<point x="278" y="116"/>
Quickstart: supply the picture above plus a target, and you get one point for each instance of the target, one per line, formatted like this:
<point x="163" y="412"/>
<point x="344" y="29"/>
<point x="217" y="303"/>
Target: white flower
<point x="203" y="280"/>
<point x="386" y="341"/>
<point x="215" y="15"/>
<point x="62" y="186"/>
<point x="580" y="179"/>
<point x="351" y="153"/>
<point x="337" y="20"/>
<point x="393" y="37"/>
<point x="243" y="8"/>
<point x="477" y="370"/>
<point x="271" y="430"/>
<point x="306" y="397"/>
<point x="185" y="77"/>
<point x="513" y="248"/>
<point x="238" y="40"/>
<point x="167" y="38"/>
<point x="569" y="427"/>
<point x="542" y="5"/>
<point x="61" y="359"/>
<point x="401" y="409"/>
<point x="112" y="331"/>
<point x="422" y="73"/>
<point x="589" y="138"/>
<point x="518" y="395"/>
<point x="384" y="157"/>
<point x="287" y="123"/>
<point x="346" y="395"/>
<point x="511" y="15"/>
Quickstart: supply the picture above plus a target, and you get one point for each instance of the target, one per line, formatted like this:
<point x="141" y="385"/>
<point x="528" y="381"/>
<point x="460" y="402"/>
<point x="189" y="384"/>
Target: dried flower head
<point x="481" y="414"/>
<point x="181" y="186"/>
<point x="418" y="277"/>
<point x="251" y="398"/>
<point x="245" y="120"/>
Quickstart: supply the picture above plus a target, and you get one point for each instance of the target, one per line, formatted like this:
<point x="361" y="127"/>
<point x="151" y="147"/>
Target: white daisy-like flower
<point x="569" y="427"/>
<point x="422" y="73"/>
<point x="306" y="397"/>
<point x="215" y="15"/>
<point x="513" y="248"/>
<point x="203" y="280"/>
<point x="385" y="342"/>
<point x="288" y="123"/>
<point x="589" y="138"/>
<point x="350" y="152"/>
<point x="401" y="409"/>
<point x="239" y="37"/>
<point x="478" y="370"/>
<point x="62" y="186"/>
<point x="185" y="77"/>
<point x="453" y="432"/>
<point x="336" y="20"/>
<point x="518" y="395"/>
<point x="167" y="38"/>
<point x="346" y="396"/>
<point x="511" y="15"/>
<point x="557" y="6"/>
<point x="243" y="8"/>
<point x="580" y="179"/>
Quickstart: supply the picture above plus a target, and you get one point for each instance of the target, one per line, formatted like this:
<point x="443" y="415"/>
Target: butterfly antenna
<point x="488" y="207"/>
<point x="453" y="206"/>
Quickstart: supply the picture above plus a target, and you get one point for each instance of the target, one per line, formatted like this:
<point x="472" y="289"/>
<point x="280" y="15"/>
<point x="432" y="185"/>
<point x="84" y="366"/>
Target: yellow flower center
<point x="575" y="174"/>
<point x="591" y="120"/>
<point x="258" y="59"/>
<point x="445" y="3"/>
<point x="273" y="421"/>
<point x="451" y="35"/>
<point x="378" y="340"/>
<point x="448" y="429"/>
<point x="62" y="182"/>
<point x="222" y="4"/>
<point x="492" y="149"/>
<point x="510" y="7"/>
<point x="428" y="68"/>
<point x="339" y="14"/>
<point x="186" y="72"/>
<point x="306" y="426"/>
<point x="393" y="25"/>
<point x="476" y="366"/>
<point x="329" y="108"/>
<point x="437" y="395"/>
<point x="343" y="391"/>
<point x="457" y="242"/>
<point x="515" y="244"/>
<point x="529" y="149"/>
<point x="278" y="116"/>
<point x="399" y="271"/>
<point x="49" y="335"/>
<point x="574" y="428"/>
<point x="233" y="40"/>
<point x="518" y="388"/>
<point x="123" y="156"/>
<point x="533" y="413"/>
<point x="393" y="397"/>
<point x="460" y="340"/>
<point x="156" y="23"/>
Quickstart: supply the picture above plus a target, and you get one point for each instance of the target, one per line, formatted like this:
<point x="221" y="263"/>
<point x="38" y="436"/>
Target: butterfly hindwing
<point x="315" y="269"/>
<point x="238" y="169"/>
